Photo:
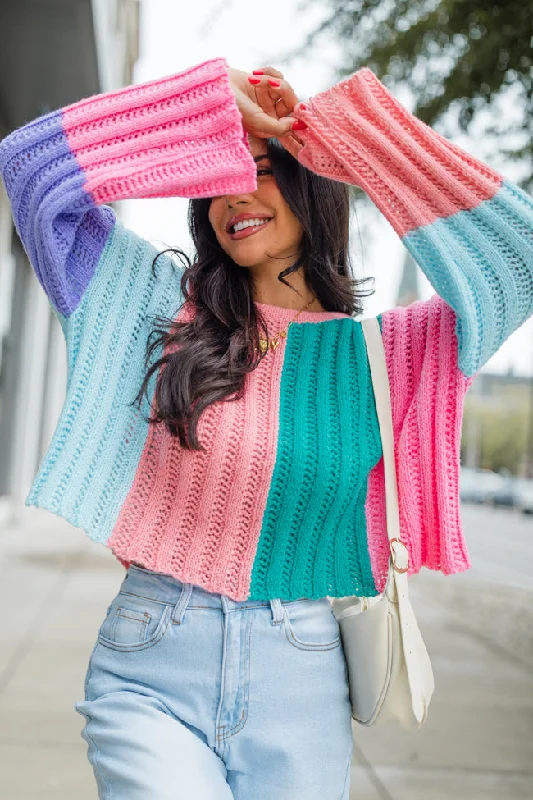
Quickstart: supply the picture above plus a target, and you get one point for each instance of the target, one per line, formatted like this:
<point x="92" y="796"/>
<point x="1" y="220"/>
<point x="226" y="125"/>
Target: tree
<point x="454" y="55"/>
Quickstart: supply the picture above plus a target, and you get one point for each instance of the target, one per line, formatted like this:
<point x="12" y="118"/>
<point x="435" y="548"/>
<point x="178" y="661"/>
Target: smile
<point x="248" y="228"/>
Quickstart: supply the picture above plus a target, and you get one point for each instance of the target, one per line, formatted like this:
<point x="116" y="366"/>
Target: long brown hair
<point x="210" y="355"/>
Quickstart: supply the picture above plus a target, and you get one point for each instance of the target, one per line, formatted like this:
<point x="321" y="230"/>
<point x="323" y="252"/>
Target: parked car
<point x="479" y="485"/>
<point x="507" y="493"/>
<point x="525" y="496"/>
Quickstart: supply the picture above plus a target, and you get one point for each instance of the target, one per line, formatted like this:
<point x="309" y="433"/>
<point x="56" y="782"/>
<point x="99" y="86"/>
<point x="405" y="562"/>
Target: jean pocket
<point x="311" y="625"/>
<point x="134" y="622"/>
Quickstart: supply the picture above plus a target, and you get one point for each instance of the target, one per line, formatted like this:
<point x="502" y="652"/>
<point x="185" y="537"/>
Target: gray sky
<point x="248" y="35"/>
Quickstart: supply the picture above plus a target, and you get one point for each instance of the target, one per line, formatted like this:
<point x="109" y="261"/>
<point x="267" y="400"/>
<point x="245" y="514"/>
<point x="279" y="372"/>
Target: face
<point x="278" y="233"/>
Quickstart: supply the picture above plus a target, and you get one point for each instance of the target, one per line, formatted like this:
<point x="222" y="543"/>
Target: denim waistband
<point x="168" y="589"/>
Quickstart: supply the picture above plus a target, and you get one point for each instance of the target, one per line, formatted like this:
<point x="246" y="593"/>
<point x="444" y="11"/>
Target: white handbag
<point x="389" y="670"/>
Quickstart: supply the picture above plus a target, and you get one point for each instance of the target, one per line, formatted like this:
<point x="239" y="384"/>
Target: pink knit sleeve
<point x="468" y="229"/>
<point x="176" y="136"/>
<point x="427" y="399"/>
<point x="360" y="134"/>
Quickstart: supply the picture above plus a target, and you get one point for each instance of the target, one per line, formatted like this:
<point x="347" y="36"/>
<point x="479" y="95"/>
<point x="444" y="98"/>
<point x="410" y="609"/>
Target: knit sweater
<point x="288" y="499"/>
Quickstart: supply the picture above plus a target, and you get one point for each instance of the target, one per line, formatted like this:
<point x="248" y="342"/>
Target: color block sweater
<point x="288" y="498"/>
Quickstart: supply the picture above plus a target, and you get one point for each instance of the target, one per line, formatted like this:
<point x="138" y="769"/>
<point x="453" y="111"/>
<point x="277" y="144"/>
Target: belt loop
<point x="181" y="604"/>
<point x="277" y="611"/>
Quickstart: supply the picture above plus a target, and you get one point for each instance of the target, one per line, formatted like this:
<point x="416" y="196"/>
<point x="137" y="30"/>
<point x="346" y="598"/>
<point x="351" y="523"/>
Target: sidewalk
<point x="477" y="743"/>
<point x="56" y="584"/>
<point x="478" y="739"/>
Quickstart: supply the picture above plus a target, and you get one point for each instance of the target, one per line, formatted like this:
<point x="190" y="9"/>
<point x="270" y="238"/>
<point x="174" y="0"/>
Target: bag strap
<point x="380" y="381"/>
<point x="417" y="661"/>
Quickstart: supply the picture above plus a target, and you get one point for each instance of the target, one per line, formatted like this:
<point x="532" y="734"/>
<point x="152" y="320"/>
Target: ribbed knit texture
<point x="313" y="540"/>
<point x="427" y="399"/>
<point x="284" y="471"/>
<point x="468" y="229"/>
<point x="288" y="498"/>
<point x="178" y="136"/>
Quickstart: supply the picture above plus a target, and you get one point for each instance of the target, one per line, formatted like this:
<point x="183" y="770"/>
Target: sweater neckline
<point x="281" y="315"/>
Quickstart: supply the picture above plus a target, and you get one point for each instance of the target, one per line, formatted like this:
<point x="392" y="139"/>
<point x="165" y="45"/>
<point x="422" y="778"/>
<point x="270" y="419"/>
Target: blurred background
<point x="465" y="69"/>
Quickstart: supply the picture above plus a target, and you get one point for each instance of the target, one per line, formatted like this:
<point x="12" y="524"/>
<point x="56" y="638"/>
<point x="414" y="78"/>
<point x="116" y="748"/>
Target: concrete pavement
<point x="477" y="742"/>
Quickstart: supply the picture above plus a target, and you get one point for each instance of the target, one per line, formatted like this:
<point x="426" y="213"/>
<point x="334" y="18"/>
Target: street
<point x="477" y="742"/>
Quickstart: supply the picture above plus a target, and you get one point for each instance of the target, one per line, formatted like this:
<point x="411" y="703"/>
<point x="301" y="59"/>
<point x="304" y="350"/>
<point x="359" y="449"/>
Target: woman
<point x="249" y="488"/>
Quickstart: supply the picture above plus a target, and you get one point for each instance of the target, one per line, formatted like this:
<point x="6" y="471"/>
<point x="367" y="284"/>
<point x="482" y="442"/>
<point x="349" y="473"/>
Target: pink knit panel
<point x="198" y="516"/>
<point x="177" y="136"/>
<point x="427" y="399"/>
<point x="359" y="133"/>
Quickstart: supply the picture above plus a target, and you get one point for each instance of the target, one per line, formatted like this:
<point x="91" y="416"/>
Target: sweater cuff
<point x="177" y="136"/>
<point x="359" y="133"/>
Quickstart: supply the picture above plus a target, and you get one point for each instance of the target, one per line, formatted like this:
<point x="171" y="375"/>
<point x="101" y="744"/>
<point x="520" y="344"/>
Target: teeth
<point x="248" y="223"/>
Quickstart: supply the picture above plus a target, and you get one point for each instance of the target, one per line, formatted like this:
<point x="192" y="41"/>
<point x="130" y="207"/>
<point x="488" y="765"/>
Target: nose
<point x="233" y="200"/>
<point x="232" y="203"/>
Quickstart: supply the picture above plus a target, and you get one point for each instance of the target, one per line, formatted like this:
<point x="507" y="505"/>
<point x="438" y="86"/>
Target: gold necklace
<point x="263" y="343"/>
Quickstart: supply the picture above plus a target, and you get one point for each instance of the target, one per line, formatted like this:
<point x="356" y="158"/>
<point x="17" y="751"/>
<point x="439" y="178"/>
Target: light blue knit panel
<point x="90" y="464"/>
<point x="481" y="263"/>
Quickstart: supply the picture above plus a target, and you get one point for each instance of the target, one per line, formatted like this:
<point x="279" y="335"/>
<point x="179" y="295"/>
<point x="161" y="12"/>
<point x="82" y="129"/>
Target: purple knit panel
<point x="62" y="231"/>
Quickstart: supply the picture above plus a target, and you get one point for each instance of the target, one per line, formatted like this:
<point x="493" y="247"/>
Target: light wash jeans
<point x="190" y="695"/>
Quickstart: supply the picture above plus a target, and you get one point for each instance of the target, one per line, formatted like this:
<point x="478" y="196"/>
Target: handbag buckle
<point x="393" y="555"/>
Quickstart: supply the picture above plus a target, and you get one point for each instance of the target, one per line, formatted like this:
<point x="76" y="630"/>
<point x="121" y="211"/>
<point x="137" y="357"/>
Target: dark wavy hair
<point x="209" y="356"/>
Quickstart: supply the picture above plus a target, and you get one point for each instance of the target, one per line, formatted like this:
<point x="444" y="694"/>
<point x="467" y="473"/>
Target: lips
<point x="249" y="231"/>
<point x="243" y="218"/>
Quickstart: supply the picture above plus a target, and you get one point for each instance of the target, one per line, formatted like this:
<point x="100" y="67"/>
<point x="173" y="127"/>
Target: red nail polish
<point x="299" y="126"/>
<point x="259" y="72"/>
<point x="302" y="107"/>
<point x="255" y="81"/>
<point x="273" y="82"/>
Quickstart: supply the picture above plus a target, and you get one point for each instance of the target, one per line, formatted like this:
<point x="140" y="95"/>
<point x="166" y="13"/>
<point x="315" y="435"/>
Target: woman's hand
<point x="265" y="104"/>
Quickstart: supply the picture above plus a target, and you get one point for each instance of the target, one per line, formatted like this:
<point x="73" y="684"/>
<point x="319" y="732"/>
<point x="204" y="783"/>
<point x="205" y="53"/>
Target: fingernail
<point x="258" y="72"/>
<point x="273" y="82"/>
<point x="302" y="107"/>
<point x="299" y="126"/>
<point x="255" y="81"/>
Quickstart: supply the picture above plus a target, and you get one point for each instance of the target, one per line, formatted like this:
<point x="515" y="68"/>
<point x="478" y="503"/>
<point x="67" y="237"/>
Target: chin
<point x="246" y="259"/>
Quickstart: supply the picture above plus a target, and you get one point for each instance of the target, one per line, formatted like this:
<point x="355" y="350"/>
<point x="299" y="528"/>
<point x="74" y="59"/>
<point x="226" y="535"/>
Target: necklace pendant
<point x="263" y="343"/>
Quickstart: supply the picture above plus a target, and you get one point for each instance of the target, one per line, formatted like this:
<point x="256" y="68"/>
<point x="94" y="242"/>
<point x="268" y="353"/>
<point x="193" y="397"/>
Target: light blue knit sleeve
<point x="480" y="261"/>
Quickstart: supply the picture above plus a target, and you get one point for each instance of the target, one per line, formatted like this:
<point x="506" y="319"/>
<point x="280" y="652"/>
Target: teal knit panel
<point x="313" y="541"/>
